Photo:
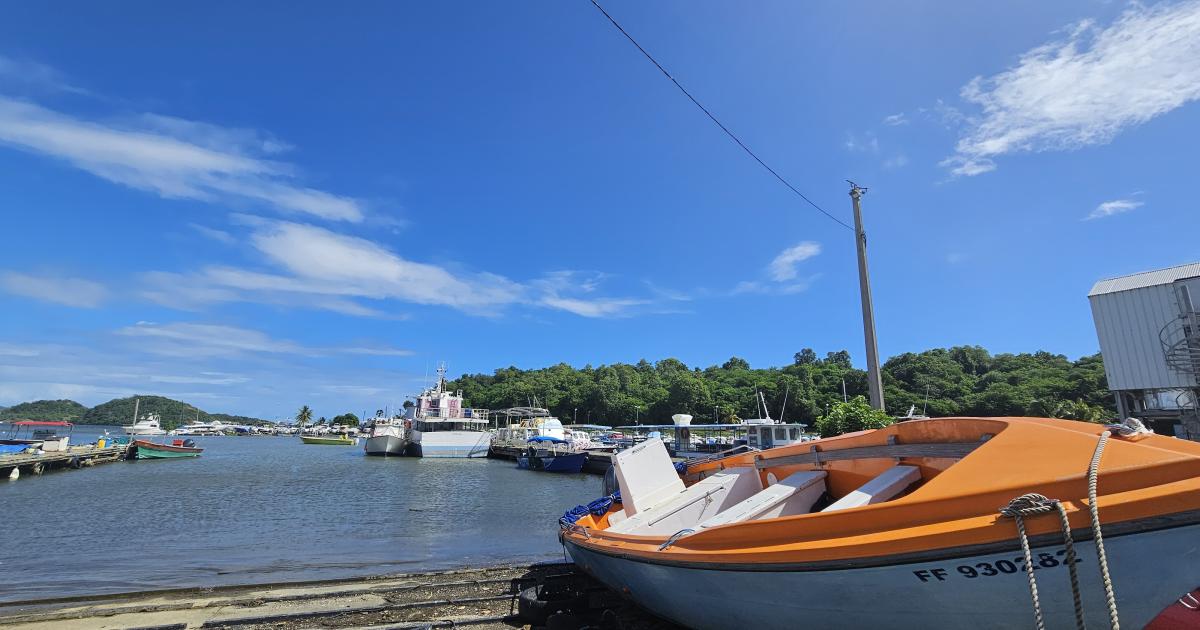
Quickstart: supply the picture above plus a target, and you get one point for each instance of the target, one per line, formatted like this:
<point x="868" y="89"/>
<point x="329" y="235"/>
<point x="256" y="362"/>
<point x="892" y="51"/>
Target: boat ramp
<point x="551" y="595"/>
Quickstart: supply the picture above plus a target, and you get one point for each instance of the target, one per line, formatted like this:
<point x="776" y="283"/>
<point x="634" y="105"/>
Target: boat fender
<point x="685" y="434"/>
<point x="74" y="463"/>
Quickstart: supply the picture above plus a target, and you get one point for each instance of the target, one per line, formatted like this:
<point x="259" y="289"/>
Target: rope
<point x="1034" y="504"/>
<point x="1093" y="474"/>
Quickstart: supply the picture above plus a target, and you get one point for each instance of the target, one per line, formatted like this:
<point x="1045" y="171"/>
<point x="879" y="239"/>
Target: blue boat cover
<point x="546" y="438"/>
<point x="596" y="508"/>
<point x="9" y="449"/>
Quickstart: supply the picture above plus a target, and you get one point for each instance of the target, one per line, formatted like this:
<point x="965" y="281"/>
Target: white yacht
<point x="386" y="437"/>
<point x="536" y="422"/>
<point x="148" y="425"/>
<point x="438" y="425"/>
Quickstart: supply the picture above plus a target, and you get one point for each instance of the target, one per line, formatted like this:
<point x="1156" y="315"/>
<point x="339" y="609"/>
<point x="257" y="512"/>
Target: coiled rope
<point x="1033" y="504"/>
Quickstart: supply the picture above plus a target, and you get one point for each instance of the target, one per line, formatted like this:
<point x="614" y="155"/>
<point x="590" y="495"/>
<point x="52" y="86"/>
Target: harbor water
<point x="271" y="509"/>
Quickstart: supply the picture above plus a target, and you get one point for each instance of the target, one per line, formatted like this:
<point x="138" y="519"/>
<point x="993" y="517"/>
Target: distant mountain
<point x="171" y="412"/>
<point x="68" y="410"/>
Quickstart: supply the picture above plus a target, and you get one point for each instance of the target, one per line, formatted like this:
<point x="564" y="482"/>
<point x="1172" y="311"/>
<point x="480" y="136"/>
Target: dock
<point x="487" y="598"/>
<point x="14" y="466"/>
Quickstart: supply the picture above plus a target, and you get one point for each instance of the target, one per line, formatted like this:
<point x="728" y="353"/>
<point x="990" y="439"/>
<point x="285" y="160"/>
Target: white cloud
<point x="865" y="144"/>
<point x="1086" y="88"/>
<point x="783" y="268"/>
<point x="561" y="290"/>
<point x="33" y="74"/>
<point x="221" y="236"/>
<point x="196" y="340"/>
<point x="74" y="292"/>
<point x="898" y="161"/>
<point x="1109" y="208"/>
<point x="895" y="120"/>
<point x="171" y="157"/>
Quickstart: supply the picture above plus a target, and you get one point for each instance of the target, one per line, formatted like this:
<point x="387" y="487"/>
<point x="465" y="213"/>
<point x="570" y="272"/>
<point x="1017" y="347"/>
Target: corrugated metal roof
<point x="1146" y="279"/>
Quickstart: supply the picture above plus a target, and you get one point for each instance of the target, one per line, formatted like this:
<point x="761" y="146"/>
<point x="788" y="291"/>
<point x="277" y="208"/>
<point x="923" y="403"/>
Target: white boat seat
<point x="796" y="494"/>
<point x="645" y="475"/>
<point x="692" y="505"/>
<point x="884" y="487"/>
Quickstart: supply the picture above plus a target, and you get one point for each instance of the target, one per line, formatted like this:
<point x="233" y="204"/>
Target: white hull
<point x="135" y="430"/>
<point x="452" y="443"/>
<point x="386" y="445"/>
<point x="1149" y="571"/>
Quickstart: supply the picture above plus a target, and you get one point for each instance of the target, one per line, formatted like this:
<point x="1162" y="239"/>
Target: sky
<point x="253" y="207"/>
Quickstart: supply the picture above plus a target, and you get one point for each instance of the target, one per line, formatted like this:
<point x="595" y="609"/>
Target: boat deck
<point x="595" y="463"/>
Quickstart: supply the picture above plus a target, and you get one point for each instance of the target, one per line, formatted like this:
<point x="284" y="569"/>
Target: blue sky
<point x="254" y="207"/>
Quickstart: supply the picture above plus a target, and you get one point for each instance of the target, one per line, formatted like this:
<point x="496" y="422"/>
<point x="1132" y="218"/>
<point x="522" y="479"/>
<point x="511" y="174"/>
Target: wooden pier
<point x="14" y="466"/>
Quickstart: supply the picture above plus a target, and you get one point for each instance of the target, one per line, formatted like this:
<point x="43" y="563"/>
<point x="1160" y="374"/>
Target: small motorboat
<point x="927" y="524"/>
<point x="156" y="450"/>
<point x="40" y="434"/>
<point x="549" y="454"/>
<point x="329" y="440"/>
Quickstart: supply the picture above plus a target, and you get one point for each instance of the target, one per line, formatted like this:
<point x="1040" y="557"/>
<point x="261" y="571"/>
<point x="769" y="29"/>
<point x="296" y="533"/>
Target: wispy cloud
<point x="31" y="74"/>
<point x="196" y="340"/>
<point x="895" y="162"/>
<point x="895" y="120"/>
<point x="783" y="267"/>
<point x="75" y="292"/>
<point x="171" y="157"/>
<point x="865" y="143"/>
<point x="1086" y="88"/>
<point x="221" y="236"/>
<point x="1109" y="208"/>
<point x="570" y="291"/>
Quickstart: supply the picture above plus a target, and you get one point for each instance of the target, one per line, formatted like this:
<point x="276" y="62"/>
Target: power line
<point x="718" y="122"/>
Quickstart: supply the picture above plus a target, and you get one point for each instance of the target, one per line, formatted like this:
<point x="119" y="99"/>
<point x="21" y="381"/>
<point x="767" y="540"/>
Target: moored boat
<point x="41" y="434"/>
<point x="547" y="454"/>
<point x="899" y="528"/>
<point x="386" y="437"/>
<point x="443" y="427"/>
<point x="329" y="440"/>
<point x="177" y="448"/>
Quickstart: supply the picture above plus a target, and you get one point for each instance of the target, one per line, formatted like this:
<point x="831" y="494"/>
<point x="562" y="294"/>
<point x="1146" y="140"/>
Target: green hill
<point x="171" y="412"/>
<point x="68" y="410"/>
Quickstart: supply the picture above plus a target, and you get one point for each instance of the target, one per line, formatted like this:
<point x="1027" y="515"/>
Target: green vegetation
<point x="855" y="414"/>
<point x="67" y="410"/>
<point x="347" y="419"/>
<point x="964" y="380"/>
<point x="304" y="417"/>
<point x="119" y="411"/>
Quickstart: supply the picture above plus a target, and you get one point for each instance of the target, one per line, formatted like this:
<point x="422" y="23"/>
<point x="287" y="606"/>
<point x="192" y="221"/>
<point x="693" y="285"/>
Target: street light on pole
<point x="575" y="416"/>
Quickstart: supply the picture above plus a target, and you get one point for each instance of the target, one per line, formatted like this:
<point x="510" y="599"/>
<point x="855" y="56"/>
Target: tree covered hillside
<point x="67" y="410"/>
<point x="965" y="380"/>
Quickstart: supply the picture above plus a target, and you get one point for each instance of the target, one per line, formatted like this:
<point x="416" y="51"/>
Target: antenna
<point x="783" y="410"/>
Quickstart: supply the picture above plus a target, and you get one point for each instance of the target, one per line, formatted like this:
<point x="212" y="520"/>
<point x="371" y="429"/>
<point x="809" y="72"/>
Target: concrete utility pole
<point x="874" y="378"/>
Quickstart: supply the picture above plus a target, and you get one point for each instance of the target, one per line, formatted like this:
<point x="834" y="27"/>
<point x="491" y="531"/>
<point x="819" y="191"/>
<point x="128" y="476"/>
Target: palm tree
<point x="304" y="416"/>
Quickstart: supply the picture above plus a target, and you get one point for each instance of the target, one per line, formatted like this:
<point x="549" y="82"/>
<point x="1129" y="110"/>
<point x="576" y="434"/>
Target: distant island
<point x="119" y="411"/>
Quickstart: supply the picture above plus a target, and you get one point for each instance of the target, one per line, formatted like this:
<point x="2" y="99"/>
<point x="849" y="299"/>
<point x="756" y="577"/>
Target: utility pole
<point x="874" y="378"/>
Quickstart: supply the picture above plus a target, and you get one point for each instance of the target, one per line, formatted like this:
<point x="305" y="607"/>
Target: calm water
<point x="266" y="509"/>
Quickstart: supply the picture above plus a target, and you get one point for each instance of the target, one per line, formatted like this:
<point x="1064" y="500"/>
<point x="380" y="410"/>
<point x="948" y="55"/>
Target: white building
<point x="1149" y="330"/>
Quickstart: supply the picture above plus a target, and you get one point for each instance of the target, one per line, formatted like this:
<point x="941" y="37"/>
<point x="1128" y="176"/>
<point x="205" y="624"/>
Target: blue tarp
<point x="546" y="438"/>
<point x="595" y="508"/>
<point x="9" y="449"/>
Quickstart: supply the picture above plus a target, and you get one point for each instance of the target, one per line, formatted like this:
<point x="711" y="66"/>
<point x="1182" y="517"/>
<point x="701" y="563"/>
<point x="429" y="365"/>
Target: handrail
<point x="952" y="450"/>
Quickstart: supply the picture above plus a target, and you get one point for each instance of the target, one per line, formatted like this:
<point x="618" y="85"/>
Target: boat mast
<point x="136" y="403"/>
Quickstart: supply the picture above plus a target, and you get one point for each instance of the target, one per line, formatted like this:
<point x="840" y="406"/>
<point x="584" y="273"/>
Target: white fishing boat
<point x="535" y="422"/>
<point x="386" y="437"/>
<point x="440" y="426"/>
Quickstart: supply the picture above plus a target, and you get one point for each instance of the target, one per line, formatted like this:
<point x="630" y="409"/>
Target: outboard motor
<point x="610" y="481"/>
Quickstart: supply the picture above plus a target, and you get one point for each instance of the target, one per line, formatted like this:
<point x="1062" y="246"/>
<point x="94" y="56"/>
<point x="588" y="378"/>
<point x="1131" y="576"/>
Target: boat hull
<point x="149" y="450"/>
<point x="452" y="444"/>
<point x="566" y="463"/>
<point x="329" y="441"/>
<point x="1149" y="571"/>
<point x="386" y="446"/>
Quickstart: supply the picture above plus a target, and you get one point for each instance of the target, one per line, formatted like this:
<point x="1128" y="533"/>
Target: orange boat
<point x="903" y="527"/>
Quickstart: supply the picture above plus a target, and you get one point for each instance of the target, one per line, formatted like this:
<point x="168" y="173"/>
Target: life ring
<point x="685" y="434"/>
